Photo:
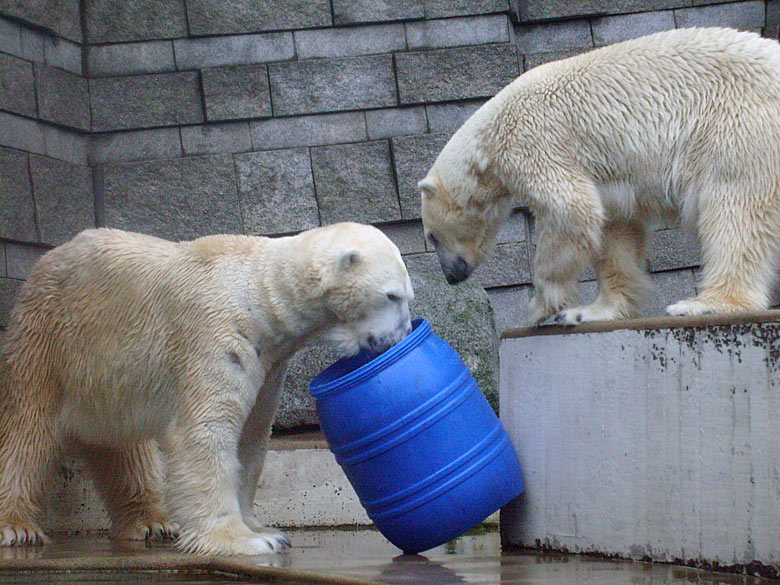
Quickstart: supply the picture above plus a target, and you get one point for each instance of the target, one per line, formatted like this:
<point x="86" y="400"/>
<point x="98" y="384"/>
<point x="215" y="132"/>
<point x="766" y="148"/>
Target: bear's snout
<point x="455" y="271"/>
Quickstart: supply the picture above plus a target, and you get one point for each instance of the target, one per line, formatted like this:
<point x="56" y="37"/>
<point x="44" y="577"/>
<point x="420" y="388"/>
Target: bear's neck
<point x="284" y="288"/>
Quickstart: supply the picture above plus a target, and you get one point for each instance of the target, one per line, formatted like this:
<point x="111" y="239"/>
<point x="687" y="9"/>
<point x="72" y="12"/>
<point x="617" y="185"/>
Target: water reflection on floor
<point x="364" y="555"/>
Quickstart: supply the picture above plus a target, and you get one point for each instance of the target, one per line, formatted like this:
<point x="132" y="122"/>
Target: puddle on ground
<point x="132" y="577"/>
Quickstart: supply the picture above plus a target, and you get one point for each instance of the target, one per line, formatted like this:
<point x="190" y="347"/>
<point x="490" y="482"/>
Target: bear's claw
<point x="22" y="534"/>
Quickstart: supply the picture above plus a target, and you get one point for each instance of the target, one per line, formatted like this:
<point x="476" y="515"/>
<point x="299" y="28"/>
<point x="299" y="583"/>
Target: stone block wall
<point x="266" y="117"/>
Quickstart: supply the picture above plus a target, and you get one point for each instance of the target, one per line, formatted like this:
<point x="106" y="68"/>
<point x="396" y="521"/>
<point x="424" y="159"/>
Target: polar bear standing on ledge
<point x="685" y="122"/>
<point x="120" y="340"/>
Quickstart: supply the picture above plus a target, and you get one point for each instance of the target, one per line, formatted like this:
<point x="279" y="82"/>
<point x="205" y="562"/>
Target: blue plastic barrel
<point x="417" y="439"/>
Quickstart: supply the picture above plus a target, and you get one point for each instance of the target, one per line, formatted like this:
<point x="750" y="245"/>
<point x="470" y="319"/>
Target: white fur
<point x="132" y="347"/>
<point x="682" y="123"/>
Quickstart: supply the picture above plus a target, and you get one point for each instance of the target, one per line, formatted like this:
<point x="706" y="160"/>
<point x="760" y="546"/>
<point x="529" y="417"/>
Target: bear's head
<point x="463" y="206"/>
<point x="364" y="286"/>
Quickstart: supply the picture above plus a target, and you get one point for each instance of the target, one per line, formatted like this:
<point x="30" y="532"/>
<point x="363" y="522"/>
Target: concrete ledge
<point x="649" y="439"/>
<point x="647" y="323"/>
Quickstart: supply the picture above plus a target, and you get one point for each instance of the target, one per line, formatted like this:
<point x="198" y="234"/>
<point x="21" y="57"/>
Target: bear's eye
<point x="393" y="298"/>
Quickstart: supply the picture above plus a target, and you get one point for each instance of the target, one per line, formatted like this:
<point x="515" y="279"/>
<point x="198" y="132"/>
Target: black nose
<point x="457" y="271"/>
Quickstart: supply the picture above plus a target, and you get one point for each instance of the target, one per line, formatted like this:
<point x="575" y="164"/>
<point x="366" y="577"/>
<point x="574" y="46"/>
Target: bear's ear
<point x="427" y="187"/>
<point x="349" y="258"/>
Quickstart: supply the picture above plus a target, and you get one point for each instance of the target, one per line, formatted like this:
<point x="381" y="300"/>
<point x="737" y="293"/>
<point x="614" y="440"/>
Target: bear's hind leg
<point x="739" y="244"/>
<point x="621" y="279"/>
<point x="130" y="481"/>
<point x="29" y="443"/>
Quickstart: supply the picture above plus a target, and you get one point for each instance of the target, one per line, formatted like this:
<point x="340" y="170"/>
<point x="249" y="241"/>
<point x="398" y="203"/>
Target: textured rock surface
<point x="164" y="99"/>
<point x="330" y="85"/>
<point x="277" y="191"/>
<point x="173" y="199"/>
<point x="17" y="213"/>
<point x="237" y="16"/>
<point x="63" y="201"/>
<point x="355" y="182"/>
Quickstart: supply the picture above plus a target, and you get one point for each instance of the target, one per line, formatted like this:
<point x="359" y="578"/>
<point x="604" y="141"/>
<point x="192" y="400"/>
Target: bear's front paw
<point x="21" y="533"/>
<point x="148" y="530"/>
<point x="584" y="314"/>
<point x="234" y="539"/>
<point x="691" y="307"/>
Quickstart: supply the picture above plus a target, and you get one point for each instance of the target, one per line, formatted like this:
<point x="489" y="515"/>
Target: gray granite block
<point x="10" y="37"/>
<point x="356" y="11"/>
<point x="17" y="213"/>
<point x="62" y="97"/>
<point x="131" y="59"/>
<point x="63" y="54"/>
<point x="277" y="191"/>
<point x="449" y="8"/>
<point x="671" y="249"/>
<point x="350" y="41"/>
<point x="453" y="32"/>
<point x="177" y="199"/>
<point x="17" y="85"/>
<point x="668" y="288"/>
<point x="534" y="10"/>
<point x="329" y="85"/>
<point x="461" y="315"/>
<point x="21" y="258"/>
<point x="355" y="182"/>
<point x="455" y="74"/>
<point x="134" y="145"/>
<point x="216" y="138"/>
<point x="64" y="204"/>
<point x="233" y="50"/>
<point x="237" y="92"/>
<point x="66" y="145"/>
<point x="772" y="25"/>
<point x="164" y="99"/>
<point x="407" y="235"/>
<point x="515" y="228"/>
<point x="212" y="17"/>
<point x="510" y="306"/>
<point x="116" y="21"/>
<point x="317" y="130"/>
<point x="62" y="17"/>
<point x="536" y="59"/>
<point x="449" y="117"/>
<point x="741" y="15"/>
<point x="613" y="29"/>
<point x="22" y="133"/>
<point x="396" y="122"/>
<point x="9" y="289"/>
<point x="32" y="45"/>
<point x="509" y="265"/>
<point x="413" y="157"/>
<point x="3" y="266"/>
<point x="562" y="36"/>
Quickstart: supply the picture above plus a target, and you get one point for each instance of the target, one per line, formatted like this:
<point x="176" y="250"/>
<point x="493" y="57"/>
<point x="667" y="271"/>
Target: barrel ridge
<point x="447" y="400"/>
<point x="450" y="468"/>
<point x="478" y="464"/>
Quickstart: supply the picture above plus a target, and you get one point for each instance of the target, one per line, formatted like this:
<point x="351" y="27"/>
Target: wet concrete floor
<point x="336" y="556"/>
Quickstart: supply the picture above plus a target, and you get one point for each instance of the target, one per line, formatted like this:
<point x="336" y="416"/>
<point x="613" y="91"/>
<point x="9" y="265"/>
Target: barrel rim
<point x="323" y="384"/>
